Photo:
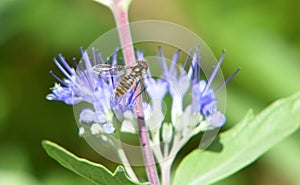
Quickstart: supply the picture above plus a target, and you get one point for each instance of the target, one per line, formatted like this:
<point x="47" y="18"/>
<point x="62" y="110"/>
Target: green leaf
<point x="94" y="172"/>
<point x="242" y="144"/>
<point x="288" y="168"/>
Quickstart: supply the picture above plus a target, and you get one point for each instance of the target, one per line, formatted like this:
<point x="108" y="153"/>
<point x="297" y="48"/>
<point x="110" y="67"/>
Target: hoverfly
<point x="134" y="75"/>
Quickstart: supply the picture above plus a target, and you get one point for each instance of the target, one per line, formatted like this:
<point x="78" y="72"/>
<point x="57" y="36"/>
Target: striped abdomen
<point x="130" y="79"/>
<point x="125" y="85"/>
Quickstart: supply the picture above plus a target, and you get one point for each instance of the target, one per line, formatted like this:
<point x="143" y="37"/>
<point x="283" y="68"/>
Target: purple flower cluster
<point x="83" y="84"/>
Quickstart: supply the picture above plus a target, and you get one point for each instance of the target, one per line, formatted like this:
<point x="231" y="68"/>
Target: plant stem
<point x="123" y="157"/>
<point x="127" y="166"/>
<point x="146" y="150"/>
<point x="165" y="167"/>
<point x="121" y="17"/>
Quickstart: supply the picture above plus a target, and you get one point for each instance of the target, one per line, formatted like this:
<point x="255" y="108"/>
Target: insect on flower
<point x="133" y="77"/>
<point x="136" y="75"/>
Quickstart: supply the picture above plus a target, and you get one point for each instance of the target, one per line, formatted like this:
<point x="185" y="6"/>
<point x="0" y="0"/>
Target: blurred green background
<point x="261" y="37"/>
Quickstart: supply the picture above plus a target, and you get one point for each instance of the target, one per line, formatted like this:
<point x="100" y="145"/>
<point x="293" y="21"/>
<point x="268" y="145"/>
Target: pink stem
<point x="121" y="18"/>
<point x="147" y="153"/>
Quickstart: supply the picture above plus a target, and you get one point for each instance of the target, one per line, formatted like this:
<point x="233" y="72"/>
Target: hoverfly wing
<point x="107" y="70"/>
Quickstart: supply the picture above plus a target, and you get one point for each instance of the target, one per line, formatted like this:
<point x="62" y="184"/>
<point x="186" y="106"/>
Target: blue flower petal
<point x="216" y="120"/>
<point x="156" y="89"/>
<point x="108" y="128"/>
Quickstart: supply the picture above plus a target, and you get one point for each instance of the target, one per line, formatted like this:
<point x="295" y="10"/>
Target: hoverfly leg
<point x="142" y="92"/>
<point x="139" y="94"/>
<point x="112" y="79"/>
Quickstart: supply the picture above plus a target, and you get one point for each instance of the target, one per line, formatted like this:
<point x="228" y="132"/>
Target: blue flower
<point x="182" y="83"/>
<point x="203" y="97"/>
<point x="193" y="109"/>
<point x="83" y="85"/>
<point x="204" y="102"/>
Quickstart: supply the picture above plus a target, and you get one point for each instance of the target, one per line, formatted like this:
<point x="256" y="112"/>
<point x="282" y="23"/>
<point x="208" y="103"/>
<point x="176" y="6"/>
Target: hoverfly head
<point x="143" y="64"/>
